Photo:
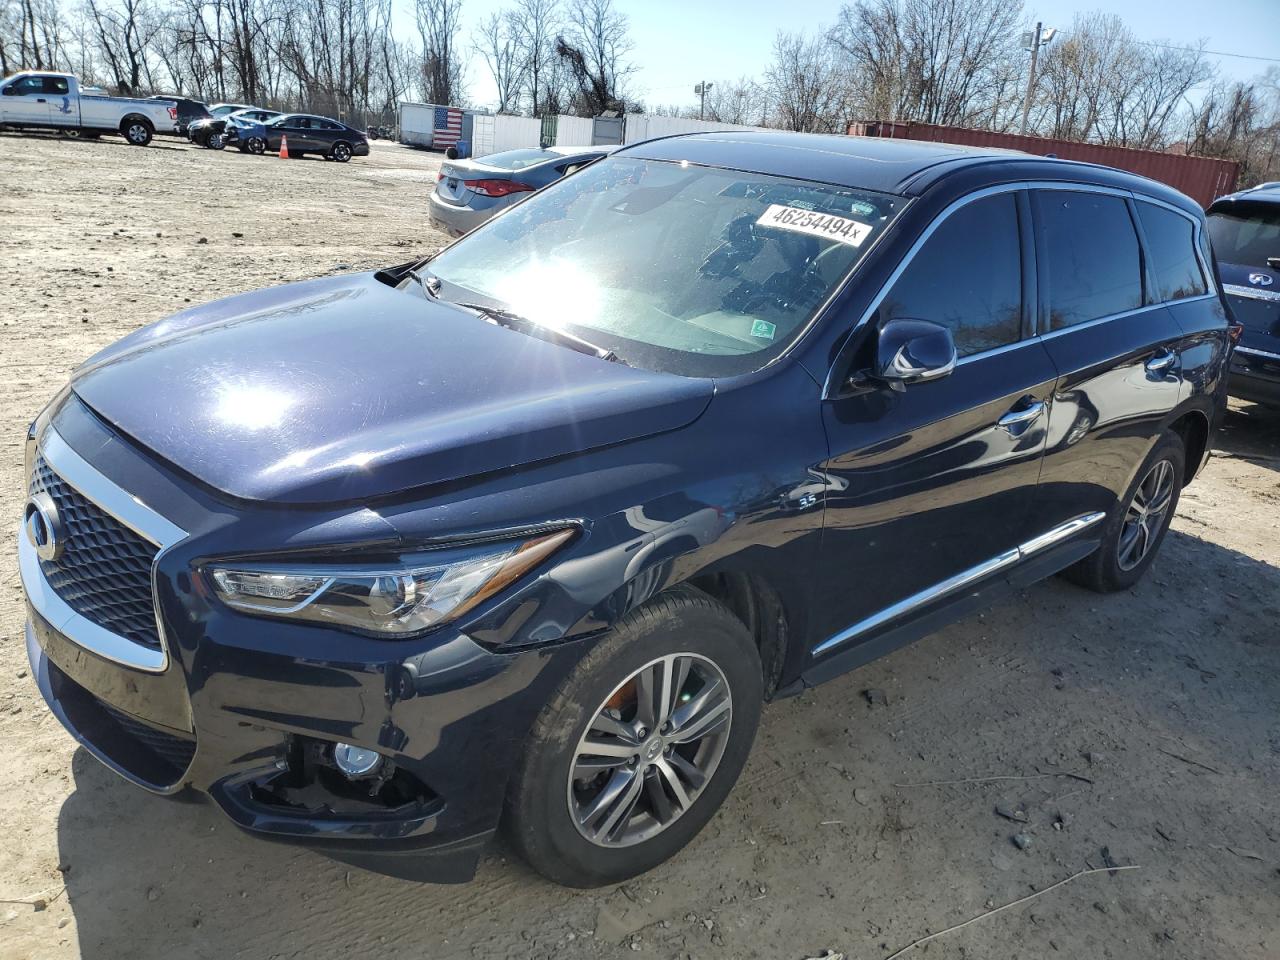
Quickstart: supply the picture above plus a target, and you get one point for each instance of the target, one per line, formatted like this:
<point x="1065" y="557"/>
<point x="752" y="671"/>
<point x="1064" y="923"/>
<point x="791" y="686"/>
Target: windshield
<point x="694" y="270"/>
<point x="1247" y="234"/>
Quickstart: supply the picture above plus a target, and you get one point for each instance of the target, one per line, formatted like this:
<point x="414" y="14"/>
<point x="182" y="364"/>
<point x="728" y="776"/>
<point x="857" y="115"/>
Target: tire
<point x="1114" y="565"/>
<point x="257" y="146"/>
<point x="545" y="801"/>
<point x="215" y="141"/>
<point x="340" y="152"/>
<point x="71" y="133"/>
<point x="137" y="132"/>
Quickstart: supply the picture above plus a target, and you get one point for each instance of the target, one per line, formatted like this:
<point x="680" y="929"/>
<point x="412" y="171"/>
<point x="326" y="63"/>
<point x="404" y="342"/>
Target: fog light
<point x="356" y="761"/>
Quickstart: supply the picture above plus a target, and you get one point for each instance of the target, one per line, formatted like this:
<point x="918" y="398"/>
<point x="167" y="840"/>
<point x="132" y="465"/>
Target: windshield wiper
<point x="514" y="321"/>
<point x="430" y="283"/>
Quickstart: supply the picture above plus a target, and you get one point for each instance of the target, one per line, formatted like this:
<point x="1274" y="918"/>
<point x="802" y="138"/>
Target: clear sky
<point x="679" y="42"/>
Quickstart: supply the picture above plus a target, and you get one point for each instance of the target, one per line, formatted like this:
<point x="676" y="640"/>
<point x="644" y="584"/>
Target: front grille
<point x="104" y="570"/>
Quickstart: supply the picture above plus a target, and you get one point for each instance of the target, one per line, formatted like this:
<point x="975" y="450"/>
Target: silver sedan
<point x="469" y="192"/>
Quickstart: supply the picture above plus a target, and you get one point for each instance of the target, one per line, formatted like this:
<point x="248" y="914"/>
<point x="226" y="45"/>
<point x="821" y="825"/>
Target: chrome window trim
<point x="1252" y="293"/>
<point x="1255" y="352"/>
<point x="132" y="513"/>
<point x="959" y="581"/>
<point x="830" y="390"/>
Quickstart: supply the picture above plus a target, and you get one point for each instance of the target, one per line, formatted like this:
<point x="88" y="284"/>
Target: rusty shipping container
<point x="1201" y="178"/>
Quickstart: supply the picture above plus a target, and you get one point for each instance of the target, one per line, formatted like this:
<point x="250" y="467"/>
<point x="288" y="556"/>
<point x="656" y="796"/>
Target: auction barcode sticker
<point x="825" y="225"/>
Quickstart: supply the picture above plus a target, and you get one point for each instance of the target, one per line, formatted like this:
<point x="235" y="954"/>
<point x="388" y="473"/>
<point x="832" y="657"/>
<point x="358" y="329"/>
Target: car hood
<point x="347" y="389"/>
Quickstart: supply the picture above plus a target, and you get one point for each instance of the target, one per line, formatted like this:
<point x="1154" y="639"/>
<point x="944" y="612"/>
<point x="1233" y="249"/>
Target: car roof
<point x="1263" y="192"/>
<point x="904" y="167"/>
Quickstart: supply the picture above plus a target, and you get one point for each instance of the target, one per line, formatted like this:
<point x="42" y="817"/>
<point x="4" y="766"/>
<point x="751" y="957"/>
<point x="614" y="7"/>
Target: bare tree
<point x="742" y="101"/>
<point x="594" y="48"/>
<point x="498" y="43"/>
<point x="1100" y="83"/>
<point x="439" y="23"/>
<point x="806" y="84"/>
<point x="939" y="61"/>
<point x="534" y="25"/>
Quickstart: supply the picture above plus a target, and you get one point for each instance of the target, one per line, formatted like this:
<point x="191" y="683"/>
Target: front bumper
<point x="242" y="710"/>
<point x="1255" y="375"/>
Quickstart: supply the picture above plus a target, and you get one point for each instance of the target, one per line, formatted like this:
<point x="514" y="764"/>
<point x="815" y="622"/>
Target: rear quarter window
<point x="1171" y="253"/>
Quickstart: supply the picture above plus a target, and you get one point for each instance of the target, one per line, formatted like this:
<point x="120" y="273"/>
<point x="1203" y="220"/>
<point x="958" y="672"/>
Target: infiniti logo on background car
<point x="1260" y="279"/>
<point x="43" y="526"/>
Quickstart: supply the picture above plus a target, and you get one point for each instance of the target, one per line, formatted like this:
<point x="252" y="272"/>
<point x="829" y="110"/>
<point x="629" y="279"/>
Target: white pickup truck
<point x="40" y="100"/>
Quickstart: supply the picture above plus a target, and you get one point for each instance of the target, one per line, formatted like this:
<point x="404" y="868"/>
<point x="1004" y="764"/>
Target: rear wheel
<point x="137" y="131"/>
<point x="1133" y="533"/>
<point x="641" y="744"/>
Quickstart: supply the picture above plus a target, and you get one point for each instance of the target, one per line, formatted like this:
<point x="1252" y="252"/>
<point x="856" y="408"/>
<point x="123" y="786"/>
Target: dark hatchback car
<point x="189" y="111"/>
<point x="1245" y="228"/>
<point x="527" y="533"/>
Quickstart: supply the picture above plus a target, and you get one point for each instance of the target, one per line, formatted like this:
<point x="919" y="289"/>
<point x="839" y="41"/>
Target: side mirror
<point x="914" y="351"/>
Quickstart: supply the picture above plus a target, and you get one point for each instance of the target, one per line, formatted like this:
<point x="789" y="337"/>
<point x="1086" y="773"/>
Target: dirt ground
<point x="1137" y="729"/>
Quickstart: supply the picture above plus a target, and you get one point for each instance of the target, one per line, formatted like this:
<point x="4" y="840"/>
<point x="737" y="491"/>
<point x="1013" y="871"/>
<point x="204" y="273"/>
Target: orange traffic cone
<point x="284" y="148"/>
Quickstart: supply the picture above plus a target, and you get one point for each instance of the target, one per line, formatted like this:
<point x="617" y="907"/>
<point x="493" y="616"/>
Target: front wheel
<point x="341" y="152"/>
<point x="1137" y="526"/>
<point x="215" y="141"/>
<point x="640" y="745"/>
<point x="256" y="145"/>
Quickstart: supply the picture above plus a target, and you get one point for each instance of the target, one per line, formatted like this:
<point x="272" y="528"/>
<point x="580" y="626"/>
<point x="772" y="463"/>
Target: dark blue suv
<point x="1245" y="228"/>
<point x="526" y="534"/>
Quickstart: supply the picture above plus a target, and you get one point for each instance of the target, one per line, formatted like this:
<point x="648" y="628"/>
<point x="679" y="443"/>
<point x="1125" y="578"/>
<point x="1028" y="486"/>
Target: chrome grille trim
<point x="131" y="512"/>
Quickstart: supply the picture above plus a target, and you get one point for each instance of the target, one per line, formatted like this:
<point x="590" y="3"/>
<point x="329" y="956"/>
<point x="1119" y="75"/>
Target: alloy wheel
<point x="1145" y="516"/>
<point x="650" y="750"/>
<point x="136" y="133"/>
<point x="257" y="145"/>
<point x="342" y="153"/>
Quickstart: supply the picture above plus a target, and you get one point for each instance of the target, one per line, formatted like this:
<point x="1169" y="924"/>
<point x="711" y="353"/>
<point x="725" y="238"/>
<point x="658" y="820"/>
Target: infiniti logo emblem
<point x="43" y="526"/>
<point x="1260" y="279"/>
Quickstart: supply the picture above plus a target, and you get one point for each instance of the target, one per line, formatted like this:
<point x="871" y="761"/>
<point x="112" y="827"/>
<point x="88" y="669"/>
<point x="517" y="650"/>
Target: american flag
<point x="447" y="127"/>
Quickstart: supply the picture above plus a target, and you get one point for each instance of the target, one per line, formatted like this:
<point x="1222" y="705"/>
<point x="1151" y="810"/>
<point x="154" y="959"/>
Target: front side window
<point x="1245" y="233"/>
<point x="966" y="276"/>
<point x="27" y="86"/>
<point x="1171" y="253"/>
<point x="1088" y="254"/>
<point x="695" y="270"/>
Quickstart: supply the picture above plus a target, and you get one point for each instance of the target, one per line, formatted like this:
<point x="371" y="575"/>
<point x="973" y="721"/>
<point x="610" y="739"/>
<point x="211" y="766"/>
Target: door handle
<point x="1016" y="421"/>
<point x="40" y="100"/>
<point x="1161" y="362"/>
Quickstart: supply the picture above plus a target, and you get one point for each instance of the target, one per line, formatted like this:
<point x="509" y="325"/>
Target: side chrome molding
<point x="964" y="578"/>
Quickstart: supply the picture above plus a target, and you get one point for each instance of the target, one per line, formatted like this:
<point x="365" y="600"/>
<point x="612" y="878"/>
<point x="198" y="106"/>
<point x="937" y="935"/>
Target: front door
<point x="930" y="488"/>
<point x="24" y="102"/>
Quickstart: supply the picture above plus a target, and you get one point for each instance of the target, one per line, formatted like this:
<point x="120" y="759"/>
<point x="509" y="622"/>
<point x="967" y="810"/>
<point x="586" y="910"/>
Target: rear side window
<point x="1246" y="233"/>
<point x="1171" y="253"/>
<point x="966" y="276"/>
<point x="56" y="85"/>
<point x="1088" y="253"/>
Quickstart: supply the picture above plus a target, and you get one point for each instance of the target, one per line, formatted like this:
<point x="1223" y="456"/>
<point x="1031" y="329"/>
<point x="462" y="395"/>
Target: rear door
<point x="929" y="489"/>
<point x="1116" y="346"/>
<point x="24" y="101"/>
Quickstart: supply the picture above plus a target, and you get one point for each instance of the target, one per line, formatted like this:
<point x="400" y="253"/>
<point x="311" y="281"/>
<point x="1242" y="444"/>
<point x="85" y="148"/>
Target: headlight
<point x="384" y="600"/>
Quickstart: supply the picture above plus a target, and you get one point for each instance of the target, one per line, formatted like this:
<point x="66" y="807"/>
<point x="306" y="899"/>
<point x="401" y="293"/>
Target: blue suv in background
<point x="1245" y="229"/>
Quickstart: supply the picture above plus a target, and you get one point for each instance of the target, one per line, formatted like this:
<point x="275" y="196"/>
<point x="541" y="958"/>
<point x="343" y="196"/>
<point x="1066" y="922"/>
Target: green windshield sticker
<point x="763" y="329"/>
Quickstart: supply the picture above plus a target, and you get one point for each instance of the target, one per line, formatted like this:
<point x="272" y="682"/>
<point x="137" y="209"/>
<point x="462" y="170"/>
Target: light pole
<point x="1033" y="41"/>
<point x="701" y="90"/>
